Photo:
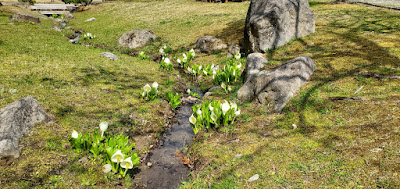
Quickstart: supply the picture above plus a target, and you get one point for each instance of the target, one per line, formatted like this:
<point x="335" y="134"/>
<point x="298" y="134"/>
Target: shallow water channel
<point x="168" y="170"/>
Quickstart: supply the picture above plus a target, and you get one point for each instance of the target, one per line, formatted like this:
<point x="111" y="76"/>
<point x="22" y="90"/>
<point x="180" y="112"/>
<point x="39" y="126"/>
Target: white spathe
<point x="155" y="85"/>
<point x="75" y="134"/>
<point x="103" y="127"/>
<point x="127" y="163"/>
<point x="167" y="61"/>
<point x="225" y="107"/>
<point x="147" y="88"/>
<point x="107" y="168"/>
<point x="117" y="157"/>
<point x="192" y="119"/>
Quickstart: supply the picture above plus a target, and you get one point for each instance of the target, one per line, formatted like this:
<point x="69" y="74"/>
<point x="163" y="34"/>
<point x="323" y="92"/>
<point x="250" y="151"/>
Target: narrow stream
<point x="168" y="170"/>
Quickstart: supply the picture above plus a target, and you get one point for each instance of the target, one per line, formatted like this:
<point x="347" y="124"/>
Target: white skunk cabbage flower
<point x="188" y="91"/>
<point x="229" y="88"/>
<point x="234" y="106"/>
<point x="192" y="119"/>
<point x="165" y="46"/>
<point x="107" y="168"/>
<point x="213" y="117"/>
<point x="237" y="56"/>
<point x="199" y="113"/>
<point x="223" y="85"/>
<point x="210" y="107"/>
<point x="239" y="66"/>
<point x="117" y="157"/>
<point x="179" y="60"/>
<point x="147" y="88"/>
<point x="184" y="57"/>
<point x="154" y="85"/>
<point x="127" y="163"/>
<point x="189" y="69"/>
<point x="200" y="67"/>
<point x="193" y="53"/>
<point x="204" y="72"/>
<point x="237" y="113"/>
<point x="225" y="107"/>
<point x="103" y="127"/>
<point x="75" y="134"/>
<point x="161" y="51"/>
<point x="167" y="61"/>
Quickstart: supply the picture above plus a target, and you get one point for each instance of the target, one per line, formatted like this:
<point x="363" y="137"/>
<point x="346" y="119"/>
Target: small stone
<point x="149" y="164"/>
<point x="253" y="178"/>
<point x="90" y="19"/>
<point x="83" y="160"/>
<point x="238" y="155"/>
<point x="207" y="94"/>
<point x="376" y="150"/>
<point x="110" y="55"/>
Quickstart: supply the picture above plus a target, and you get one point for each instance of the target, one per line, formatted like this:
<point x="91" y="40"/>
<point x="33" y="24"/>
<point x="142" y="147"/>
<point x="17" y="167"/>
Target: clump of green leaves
<point x="195" y="70"/>
<point x="143" y="56"/>
<point x="191" y="93"/>
<point x="213" y="114"/>
<point x="112" y="149"/>
<point x="149" y="92"/>
<point x="230" y="73"/>
<point x="186" y="58"/>
<point x="166" y="64"/>
<point x="173" y="99"/>
<point x="88" y="36"/>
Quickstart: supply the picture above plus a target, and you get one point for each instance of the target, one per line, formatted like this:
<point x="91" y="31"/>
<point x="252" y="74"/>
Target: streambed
<point x="167" y="169"/>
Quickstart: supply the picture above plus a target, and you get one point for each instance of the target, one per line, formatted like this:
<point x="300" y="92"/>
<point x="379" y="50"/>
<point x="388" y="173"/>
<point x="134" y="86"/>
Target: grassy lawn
<point x="345" y="144"/>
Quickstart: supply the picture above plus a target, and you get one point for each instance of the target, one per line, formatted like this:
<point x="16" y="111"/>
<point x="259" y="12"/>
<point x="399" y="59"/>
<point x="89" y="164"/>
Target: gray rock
<point x="57" y="28"/>
<point x="110" y="55"/>
<point x="276" y="87"/>
<point x="253" y="178"/>
<point x="209" y="44"/>
<point x="136" y="38"/>
<point x="273" y="23"/>
<point x="16" y="119"/>
<point x="90" y="19"/>
<point x="68" y="16"/>
<point x="75" y="40"/>
<point x="23" y="17"/>
<point x="254" y="62"/>
<point x="233" y="49"/>
<point x="207" y="94"/>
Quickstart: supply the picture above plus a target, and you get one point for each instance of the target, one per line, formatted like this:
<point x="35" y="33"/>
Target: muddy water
<point x="168" y="170"/>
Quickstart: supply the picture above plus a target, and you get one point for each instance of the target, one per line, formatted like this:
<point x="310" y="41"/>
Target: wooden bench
<point x="49" y="9"/>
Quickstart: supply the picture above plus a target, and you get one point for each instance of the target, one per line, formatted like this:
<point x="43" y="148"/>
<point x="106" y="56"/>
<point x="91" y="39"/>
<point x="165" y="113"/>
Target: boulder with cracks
<point x="276" y="87"/>
<point x="16" y="119"/>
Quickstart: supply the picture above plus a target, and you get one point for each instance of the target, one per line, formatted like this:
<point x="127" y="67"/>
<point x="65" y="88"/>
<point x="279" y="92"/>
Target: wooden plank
<point x="53" y="12"/>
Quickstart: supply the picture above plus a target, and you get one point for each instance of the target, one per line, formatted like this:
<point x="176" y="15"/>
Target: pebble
<point x="253" y="178"/>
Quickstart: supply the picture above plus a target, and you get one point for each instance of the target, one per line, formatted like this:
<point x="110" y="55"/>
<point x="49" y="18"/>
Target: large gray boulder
<point x="136" y="38"/>
<point x="16" y="119"/>
<point x="276" y="87"/>
<point x="209" y="44"/>
<point x="273" y="23"/>
<point x="23" y="17"/>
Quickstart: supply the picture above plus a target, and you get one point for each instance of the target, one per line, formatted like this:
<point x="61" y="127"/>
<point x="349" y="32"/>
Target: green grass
<point x="331" y="146"/>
